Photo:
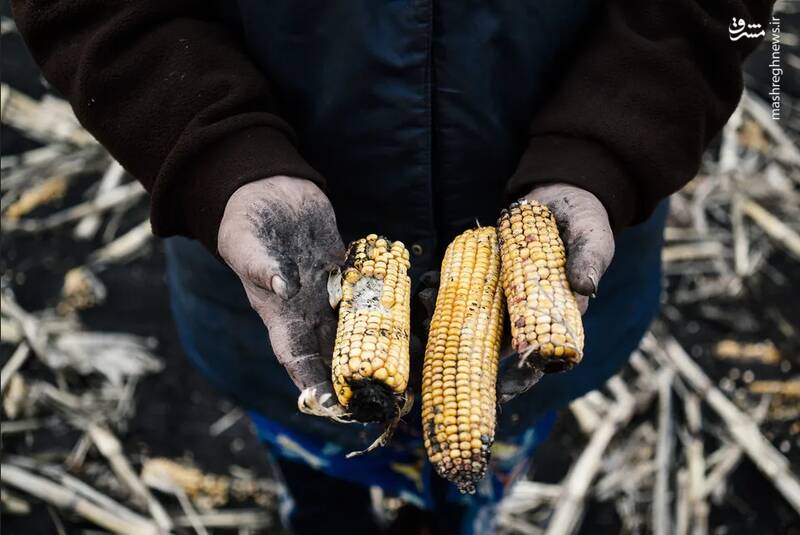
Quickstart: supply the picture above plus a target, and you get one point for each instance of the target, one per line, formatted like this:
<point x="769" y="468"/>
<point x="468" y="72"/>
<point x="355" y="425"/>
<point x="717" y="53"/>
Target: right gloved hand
<point x="586" y="231"/>
<point x="589" y="241"/>
<point x="279" y="236"/>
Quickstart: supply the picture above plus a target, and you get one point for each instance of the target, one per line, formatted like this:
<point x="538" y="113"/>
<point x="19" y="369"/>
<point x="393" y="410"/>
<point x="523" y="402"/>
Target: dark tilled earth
<point x="174" y="408"/>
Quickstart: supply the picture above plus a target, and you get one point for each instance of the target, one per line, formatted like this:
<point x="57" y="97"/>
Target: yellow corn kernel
<point x="460" y="368"/>
<point x="545" y="321"/>
<point x="370" y="364"/>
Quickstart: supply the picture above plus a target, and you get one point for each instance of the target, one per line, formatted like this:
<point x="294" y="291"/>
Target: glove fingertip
<point x="517" y="380"/>
<point x="583" y="279"/>
<point x="583" y="303"/>
<point x="505" y="398"/>
<point x="281" y="288"/>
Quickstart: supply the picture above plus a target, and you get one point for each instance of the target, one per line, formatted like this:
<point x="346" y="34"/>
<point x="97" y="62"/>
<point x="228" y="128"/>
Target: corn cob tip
<point x="372" y="401"/>
<point x="464" y="473"/>
<point x="528" y="356"/>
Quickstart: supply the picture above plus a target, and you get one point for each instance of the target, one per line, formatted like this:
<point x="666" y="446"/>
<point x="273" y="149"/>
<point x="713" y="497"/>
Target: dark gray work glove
<point x="586" y="232"/>
<point x="279" y="235"/>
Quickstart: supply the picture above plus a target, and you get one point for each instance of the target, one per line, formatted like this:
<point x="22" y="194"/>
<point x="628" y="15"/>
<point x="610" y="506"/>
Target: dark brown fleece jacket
<point x="167" y="87"/>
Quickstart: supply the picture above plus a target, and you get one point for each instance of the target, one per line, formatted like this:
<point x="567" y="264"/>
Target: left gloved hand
<point x="279" y="235"/>
<point x="586" y="232"/>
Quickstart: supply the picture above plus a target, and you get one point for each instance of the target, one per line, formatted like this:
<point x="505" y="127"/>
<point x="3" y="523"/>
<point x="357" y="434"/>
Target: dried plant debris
<point x="117" y="356"/>
<point x="82" y="289"/>
<point x="764" y="352"/>
<point x="51" y="189"/>
<point x="61" y="377"/>
<point x="207" y="491"/>
<point x="717" y="380"/>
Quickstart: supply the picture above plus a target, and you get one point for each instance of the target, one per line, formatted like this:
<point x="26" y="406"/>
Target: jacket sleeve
<point x="167" y="87"/>
<point x="649" y="86"/>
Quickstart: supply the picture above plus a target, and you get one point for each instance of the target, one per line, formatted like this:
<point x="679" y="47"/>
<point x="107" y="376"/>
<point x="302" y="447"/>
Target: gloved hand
<point x="279" y="236"/>
<point x="586" y="232"/>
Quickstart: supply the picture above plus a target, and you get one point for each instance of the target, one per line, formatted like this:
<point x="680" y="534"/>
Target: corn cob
<point x="460" y="367"/>
<point x="545" y="321"/>
<point x="370" y="357"/>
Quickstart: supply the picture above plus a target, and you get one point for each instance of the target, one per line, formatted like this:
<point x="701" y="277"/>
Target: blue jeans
<point x="227" y="341"/>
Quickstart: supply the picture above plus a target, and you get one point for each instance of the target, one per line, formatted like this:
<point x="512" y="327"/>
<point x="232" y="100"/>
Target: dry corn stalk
<point x="545" y="321"/>
<point x="765" y="352"/>
<point x="82" y="289"/>
<point x="777" y="388"/>
<point x="207" y="489"/>
<point x="460" y="368"/>
<point x="370" y="359"/>
<point x="48" y="191"/>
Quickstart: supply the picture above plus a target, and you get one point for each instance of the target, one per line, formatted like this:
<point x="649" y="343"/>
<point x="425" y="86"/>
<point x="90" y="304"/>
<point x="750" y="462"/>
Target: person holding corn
<point x="271" y="133"/>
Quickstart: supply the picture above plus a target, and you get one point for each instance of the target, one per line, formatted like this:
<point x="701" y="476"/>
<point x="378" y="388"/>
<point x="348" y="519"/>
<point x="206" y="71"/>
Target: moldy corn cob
<point x="545" y="321"/>
<point x="460" y="367"/>
<point x="370" y="357"/>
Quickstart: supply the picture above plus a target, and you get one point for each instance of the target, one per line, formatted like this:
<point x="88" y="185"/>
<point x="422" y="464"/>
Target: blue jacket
<point x="416" y="112"/>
